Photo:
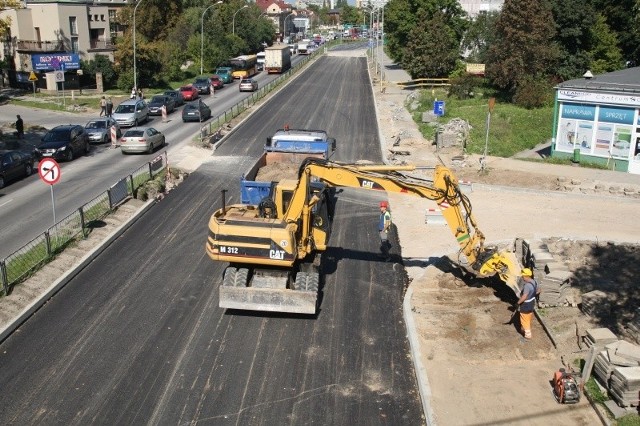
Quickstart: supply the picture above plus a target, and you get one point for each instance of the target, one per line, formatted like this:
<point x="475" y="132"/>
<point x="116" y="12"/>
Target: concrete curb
<point x="67" y="276"/>
<point x="421" y="371"/>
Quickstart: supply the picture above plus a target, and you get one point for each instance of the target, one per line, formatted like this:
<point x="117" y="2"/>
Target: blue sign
<point x="579" y="112"/>
<point x="54" y="61"/>
<point x="616" y="115"/>
<point x="438" y="108"/>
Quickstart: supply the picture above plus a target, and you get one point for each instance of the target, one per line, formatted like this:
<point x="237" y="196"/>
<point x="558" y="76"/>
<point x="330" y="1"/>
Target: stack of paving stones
<point x="633" y="327"/>
<point x="596" y="303"/>
<point x="617" y="366"/>
<point x="553" y="277"/>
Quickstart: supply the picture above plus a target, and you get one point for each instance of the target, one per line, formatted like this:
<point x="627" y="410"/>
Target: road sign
<point x="59" y="76"/>
<point x="49" y="171"/>
<point x="438" y="108"/>
<point x="33" y="76"/>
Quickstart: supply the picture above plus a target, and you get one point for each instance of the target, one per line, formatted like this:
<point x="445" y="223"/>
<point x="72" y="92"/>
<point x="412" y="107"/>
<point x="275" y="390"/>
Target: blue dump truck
<point x="283" y="154"/>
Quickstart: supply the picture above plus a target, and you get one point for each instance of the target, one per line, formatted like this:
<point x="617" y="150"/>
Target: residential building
<point x="474" y="7"/>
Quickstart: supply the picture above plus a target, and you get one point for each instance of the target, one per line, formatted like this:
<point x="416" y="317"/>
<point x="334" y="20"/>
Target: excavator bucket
<point x="506" y="265"/>
<point x="269" y="299"/>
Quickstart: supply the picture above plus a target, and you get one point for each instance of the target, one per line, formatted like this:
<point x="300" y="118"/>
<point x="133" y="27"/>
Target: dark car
<point x="14" y="165"/>
<point x="158" y="101"/>
<point x="196" y="111"/>
<point x="216" y="82"/>
<point x="203" y="84"/>
<point x="176" y="95"/>
<point x="64" y="142"/>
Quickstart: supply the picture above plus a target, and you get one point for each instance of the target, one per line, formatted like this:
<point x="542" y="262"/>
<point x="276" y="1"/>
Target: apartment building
<point x="45" y="34"/>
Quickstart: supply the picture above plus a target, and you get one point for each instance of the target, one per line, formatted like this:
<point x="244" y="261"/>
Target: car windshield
<point x="125" y="109"/>
<point x="174" y="94"/>
<point x="134" y="133"/>
<point x="202" y="81"/>
<point x="96" y="125"/>
<point x="185" y="88"/>
<point x="191" y="106"/>
<point x="57" y="135"/>
<point x="246" y="82"/>
<point x="157" y="99"/>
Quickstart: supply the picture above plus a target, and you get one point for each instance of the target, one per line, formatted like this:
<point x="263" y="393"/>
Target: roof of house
<point x="621" y="81"/>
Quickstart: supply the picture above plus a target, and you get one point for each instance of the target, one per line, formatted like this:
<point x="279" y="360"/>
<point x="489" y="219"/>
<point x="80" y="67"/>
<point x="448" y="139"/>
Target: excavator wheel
<point x="234" y="277"/>
<point x="307" y="281"/>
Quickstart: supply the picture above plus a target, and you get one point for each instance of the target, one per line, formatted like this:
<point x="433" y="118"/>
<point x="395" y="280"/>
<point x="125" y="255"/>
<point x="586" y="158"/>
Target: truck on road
<point x="277" y="59"/>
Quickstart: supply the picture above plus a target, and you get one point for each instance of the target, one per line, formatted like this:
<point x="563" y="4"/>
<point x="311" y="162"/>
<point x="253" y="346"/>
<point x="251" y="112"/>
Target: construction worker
<point x="384" y="226"/>
<point x="527" y="301"/>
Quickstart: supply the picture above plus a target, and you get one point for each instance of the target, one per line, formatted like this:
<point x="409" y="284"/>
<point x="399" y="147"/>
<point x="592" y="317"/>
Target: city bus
<point x="244" y="66"/>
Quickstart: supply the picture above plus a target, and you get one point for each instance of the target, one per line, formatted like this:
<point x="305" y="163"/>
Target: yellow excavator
<point x="274" y="247"/>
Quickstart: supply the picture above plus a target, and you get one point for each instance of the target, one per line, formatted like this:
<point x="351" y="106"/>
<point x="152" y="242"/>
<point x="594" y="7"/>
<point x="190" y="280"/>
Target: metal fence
<point x="37" y="252"/>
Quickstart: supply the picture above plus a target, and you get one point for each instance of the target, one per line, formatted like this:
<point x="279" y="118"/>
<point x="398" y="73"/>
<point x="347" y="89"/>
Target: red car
<point x="189" y="93"/>
<point x="216" y="82"/>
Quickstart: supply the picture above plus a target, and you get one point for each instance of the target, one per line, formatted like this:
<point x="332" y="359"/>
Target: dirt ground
<point x="478" y="368"/>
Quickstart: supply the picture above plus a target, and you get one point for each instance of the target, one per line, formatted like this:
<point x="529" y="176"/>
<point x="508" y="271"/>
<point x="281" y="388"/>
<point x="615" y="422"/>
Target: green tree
<point x="605" y="56"/>
<point x="524" y="49"/>
<point x="479" y="36"/>
<point x="401" y="17"/>
<point x="574" y="20"/>
<point x="622" y="17"/>
<point x="433" y="47"/>
<point x="102" y="64"/>
<point x="349" y="14"/>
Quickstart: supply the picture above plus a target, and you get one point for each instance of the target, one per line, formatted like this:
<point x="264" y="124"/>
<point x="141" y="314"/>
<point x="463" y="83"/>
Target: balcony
<point x="101" y="45"/>
<point x="40" y="46"/>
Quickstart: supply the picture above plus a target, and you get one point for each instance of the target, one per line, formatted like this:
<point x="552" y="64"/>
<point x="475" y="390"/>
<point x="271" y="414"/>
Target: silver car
<point x="141" y="140"/>
<point x="131" y="113"/>
<point x="99" y="129"/>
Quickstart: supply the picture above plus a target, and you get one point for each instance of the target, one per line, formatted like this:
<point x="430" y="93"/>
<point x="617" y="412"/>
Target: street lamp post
<point x="233" y="22"/>
<point x="135" y="71"/>
<point x="202" y="35"/>
<point x="284" y="25"/>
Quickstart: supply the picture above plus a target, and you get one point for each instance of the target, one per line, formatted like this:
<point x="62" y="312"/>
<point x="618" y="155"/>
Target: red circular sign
<point x="49" y="171"/>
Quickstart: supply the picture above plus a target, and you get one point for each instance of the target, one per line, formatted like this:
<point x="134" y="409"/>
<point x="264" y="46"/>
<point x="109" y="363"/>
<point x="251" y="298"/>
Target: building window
<point x="74" y="44"/>
<point x="73" y="25"/>
<point x="102" y="18"/>
<point x="90" y="18"/>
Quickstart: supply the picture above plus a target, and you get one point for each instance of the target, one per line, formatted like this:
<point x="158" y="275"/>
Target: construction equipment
<point x="273" y="247"/>
<point x="565" y="387"/>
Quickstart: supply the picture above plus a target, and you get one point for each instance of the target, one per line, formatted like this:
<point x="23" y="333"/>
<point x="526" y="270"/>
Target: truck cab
<point x="225" y="74"/>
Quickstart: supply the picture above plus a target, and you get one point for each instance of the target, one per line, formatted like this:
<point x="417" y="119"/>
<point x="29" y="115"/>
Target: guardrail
<point x="424" y="82"/>
<point x="32" y="256"/>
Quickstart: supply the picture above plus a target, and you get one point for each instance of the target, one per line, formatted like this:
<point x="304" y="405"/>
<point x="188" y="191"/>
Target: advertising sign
<point x="54" y="61"/>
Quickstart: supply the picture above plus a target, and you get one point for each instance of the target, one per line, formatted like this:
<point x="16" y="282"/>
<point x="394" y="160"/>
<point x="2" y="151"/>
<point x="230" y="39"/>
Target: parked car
<point x="19" y="145"/>
<point x="14" y="165"/>
<point x="99" y="129"/>
<point x="141" y="140"/>
<point x="196" y="111"/>
<point x="131" y="112"/>
<point x="248" y="85"/>
<point x="176" y="95"/>
<point x="64" y="142"/>
<point x="158" y="101"/>
<point x="189" y="93"/>
<point x="203" y="84"/>
<point x="216" y="82"/>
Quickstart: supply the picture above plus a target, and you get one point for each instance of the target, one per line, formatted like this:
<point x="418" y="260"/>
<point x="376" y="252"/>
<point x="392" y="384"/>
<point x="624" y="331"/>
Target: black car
<point x="203" y="84"/>
<point x="64" y="143"/>
<point x="196" y="111"/>
<point x="14" y="165"/>
<point x="176" y="95"/>
<point x="158" y="101"/>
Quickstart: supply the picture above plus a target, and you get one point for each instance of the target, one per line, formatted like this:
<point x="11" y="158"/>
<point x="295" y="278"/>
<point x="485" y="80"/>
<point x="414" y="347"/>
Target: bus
<point x="244" y="66"/>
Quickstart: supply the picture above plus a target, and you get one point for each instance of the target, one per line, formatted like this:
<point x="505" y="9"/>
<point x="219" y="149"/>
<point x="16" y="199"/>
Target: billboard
<point x="55" y="61"/>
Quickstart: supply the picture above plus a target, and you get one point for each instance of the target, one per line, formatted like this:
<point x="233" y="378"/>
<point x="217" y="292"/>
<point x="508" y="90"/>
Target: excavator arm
<point x="444" y="189"/>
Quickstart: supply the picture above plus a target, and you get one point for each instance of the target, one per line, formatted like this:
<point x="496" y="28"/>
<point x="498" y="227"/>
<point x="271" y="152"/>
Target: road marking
<point x="4" y="204"/>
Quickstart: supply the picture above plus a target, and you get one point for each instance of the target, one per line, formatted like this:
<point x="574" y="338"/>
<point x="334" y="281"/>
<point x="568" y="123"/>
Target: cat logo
<point x="276" y="254"/>
<point x="367" y="184"/>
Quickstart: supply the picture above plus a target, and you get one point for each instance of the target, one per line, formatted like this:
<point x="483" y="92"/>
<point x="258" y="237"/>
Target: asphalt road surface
<point x="137" y="337"/>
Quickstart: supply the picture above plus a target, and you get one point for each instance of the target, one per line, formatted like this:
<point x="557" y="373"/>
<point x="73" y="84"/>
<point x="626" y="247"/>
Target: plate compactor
<point x="565" y="387"/>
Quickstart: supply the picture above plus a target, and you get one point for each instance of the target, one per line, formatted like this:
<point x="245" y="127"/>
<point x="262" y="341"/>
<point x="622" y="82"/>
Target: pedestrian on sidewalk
<point x="133" y="93"/>
<point x="103" y="106"/>
<point x="19" y="127"/>
<point x="527" y="301"/>
<point x="109" y="107"/>
<point x="384" y="226"/>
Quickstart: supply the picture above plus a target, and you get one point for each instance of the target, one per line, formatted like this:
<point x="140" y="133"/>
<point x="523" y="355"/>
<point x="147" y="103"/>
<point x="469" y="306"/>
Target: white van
<point x="260" y="61"/>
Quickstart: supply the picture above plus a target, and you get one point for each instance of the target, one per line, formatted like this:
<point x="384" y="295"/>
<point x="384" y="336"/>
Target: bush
<point x="463" y="87"/>
<point x="533" y="93"/>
